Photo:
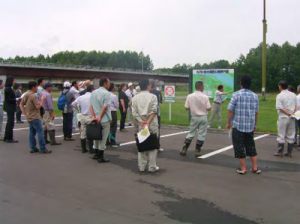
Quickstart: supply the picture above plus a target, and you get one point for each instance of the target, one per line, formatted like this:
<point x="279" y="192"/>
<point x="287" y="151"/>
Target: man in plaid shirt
<point x="242" y="118"/>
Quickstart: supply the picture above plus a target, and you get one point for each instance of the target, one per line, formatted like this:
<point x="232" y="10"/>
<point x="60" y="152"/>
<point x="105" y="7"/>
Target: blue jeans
<point x="36" y="128"/>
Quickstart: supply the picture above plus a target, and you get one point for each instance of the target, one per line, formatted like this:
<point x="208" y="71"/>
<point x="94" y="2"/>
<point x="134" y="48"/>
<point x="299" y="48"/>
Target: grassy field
<point x="266" y="121"/>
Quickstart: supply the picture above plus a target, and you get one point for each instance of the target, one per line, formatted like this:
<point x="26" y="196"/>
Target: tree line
<point x="115" y="60"/>
<point x="283" y="62"/>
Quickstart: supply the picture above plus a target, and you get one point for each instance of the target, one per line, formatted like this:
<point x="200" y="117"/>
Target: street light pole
<point x="264" y="54"/>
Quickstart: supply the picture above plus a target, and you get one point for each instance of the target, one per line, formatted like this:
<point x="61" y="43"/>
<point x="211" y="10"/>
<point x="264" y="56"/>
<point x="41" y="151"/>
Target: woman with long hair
<point x="10" y="105"/>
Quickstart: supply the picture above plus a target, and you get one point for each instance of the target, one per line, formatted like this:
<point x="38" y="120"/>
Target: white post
<point x="170" y="111"/>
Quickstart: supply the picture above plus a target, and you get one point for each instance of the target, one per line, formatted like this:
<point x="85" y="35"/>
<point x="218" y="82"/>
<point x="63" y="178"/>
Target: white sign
<point x="170" y="94"/>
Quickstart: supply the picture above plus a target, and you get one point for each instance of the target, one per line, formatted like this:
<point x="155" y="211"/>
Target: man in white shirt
<point x="198" y="104"/>
<point x="130" y="94"/>
<point x="82" y="103"/>
<point x="286" y="103"/>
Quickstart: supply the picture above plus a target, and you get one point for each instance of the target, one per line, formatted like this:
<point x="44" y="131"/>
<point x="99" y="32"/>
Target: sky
<point x="170" y="31"/>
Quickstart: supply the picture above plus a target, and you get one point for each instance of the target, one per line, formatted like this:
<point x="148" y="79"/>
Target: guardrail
<point x="80" y="67"/>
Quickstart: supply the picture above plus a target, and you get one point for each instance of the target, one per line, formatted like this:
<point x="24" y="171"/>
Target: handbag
<point x="94" y="131"/>
<point x="151" y="143"/>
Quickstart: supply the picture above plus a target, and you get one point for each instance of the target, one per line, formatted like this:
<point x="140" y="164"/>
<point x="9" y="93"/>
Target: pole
<point x="170" y="111"/>
<point x="264" y="53"/>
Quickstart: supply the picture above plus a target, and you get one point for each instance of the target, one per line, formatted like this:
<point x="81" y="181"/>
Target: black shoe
<point x="69" y="139"/>
<point x="34" y="150"/>
<point x="11" y="141"/>
<point x="96" y="156"/>
<point x="101" y="157"/>
<point x="185" y="147"/>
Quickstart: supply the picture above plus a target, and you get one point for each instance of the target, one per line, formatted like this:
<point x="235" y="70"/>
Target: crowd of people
<point x="81" y="105"/>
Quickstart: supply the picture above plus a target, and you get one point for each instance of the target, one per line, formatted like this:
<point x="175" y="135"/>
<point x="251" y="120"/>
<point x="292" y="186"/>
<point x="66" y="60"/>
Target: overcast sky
<point x="170" y="31"/>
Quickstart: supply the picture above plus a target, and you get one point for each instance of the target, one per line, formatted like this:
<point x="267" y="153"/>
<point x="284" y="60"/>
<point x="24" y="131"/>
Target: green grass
<point x="266" y="120"/>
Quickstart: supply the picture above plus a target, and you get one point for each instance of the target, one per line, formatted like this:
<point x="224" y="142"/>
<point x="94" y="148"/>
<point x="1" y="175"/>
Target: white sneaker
<point x="154" y="169"/>
<point x="161" y="150"/>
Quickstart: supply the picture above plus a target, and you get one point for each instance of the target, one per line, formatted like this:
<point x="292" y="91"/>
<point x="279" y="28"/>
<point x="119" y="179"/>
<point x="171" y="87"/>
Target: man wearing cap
<point x="130" y="94"/>
<point x="49" y="115"/>
<point x="68" y="112"/>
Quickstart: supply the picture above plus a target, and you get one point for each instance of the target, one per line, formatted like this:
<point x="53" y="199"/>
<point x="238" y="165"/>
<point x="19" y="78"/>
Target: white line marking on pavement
<point x="227" y="148"/>
<point x="163" y="136"/>
<point x="60" y="136"/>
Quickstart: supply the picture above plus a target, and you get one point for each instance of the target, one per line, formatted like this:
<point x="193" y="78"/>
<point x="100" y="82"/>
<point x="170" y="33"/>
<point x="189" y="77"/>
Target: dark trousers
<point x="123" y="119"/>
<point x="67" y="124"/>
<point x="18" y="114"/>
<point x="9" y="134"/>
<point x="113" y="127"/>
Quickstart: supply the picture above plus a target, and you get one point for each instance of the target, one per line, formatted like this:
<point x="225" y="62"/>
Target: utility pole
<point x="264" y="54"/>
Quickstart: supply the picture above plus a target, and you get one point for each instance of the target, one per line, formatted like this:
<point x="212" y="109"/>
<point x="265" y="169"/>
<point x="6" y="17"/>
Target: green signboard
<point x="212" y="78"/>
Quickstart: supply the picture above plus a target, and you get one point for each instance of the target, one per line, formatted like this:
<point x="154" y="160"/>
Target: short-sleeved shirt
<point x="84" y="103"/>
<point x="48" y="103"/>
<point x="286" y="100"/>
<point x="218" y="97"/>
<point x="244" y="104"/>
<point x="99" y="99"/>
<point x="198" y="103"/>
<point x="30" y="102"/>
<point x="123" y="96"/>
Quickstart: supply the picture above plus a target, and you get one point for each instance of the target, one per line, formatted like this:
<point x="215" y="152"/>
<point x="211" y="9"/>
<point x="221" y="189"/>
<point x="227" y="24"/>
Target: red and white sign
<point x="170" y="93"/>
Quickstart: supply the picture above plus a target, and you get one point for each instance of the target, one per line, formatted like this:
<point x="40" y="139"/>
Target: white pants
<point x="147" y="158"/>
<point x="286" y="130"/>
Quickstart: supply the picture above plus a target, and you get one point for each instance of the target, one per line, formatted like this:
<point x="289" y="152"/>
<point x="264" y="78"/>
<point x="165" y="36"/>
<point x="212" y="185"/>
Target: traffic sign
<point x="170" y="93"/>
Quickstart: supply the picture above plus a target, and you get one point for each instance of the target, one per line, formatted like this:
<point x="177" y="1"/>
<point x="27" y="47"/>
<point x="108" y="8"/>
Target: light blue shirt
<point x="99" y="99"/>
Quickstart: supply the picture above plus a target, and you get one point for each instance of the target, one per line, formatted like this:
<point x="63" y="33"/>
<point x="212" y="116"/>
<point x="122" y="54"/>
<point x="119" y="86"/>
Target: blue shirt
<point x="244" y="105"/>
<point x="99" y="99"/>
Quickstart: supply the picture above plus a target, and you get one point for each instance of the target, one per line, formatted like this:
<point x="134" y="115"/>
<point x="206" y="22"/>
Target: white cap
<point x="67" y="84"/>
<point x="130" y="84"/>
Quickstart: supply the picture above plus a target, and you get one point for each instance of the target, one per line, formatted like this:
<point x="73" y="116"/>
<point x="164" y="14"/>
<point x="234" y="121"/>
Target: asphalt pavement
<point x="69" y="187"/>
